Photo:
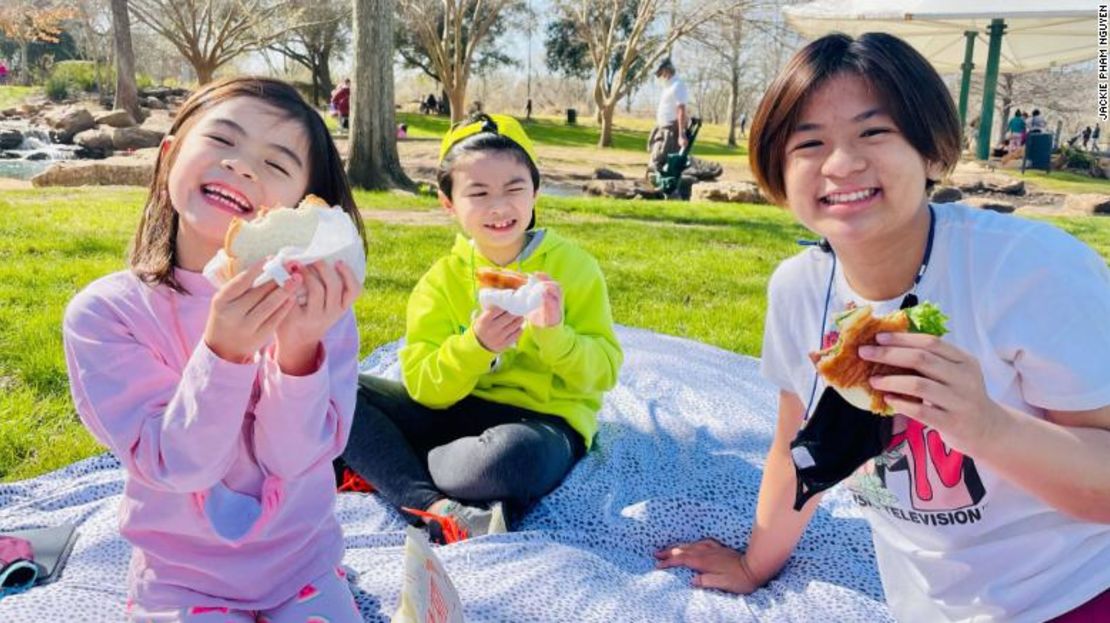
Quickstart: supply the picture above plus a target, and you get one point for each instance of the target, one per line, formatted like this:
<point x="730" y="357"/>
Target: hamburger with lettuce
<point x="839" y="362"/>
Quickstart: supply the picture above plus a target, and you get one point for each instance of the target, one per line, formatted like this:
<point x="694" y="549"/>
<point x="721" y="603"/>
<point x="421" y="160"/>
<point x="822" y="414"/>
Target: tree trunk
<point x="315" y="87"/>
<point x="457" y="97"/>
<point x="127" y="93"/>
<point x="24" y="64"/>
<point x="606" y="111"/>
<point x="204" y="70"/>
<point x="323" y="72"/>
<point x="733" y="104"/>
<point x="373" y="162"/>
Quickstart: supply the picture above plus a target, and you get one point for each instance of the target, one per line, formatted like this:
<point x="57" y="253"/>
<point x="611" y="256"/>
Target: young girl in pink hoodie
<point x="225" y="406"/>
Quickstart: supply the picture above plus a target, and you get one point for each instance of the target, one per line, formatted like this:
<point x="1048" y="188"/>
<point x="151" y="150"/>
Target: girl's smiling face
<point x="241" y="155"/>
<point x="849" y="173"/>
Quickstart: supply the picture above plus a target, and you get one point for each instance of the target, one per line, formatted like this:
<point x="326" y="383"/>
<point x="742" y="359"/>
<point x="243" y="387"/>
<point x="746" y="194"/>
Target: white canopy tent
<point x="1015" y="35"/>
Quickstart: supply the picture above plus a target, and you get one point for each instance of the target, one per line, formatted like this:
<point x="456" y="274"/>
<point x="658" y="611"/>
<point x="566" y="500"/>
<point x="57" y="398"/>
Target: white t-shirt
<point x="674" y="93"/>
<point x="953" y="540"/>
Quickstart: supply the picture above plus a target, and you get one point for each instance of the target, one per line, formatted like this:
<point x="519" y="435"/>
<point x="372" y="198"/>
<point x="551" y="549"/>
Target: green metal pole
<point x="965" y="82"/>
<point x="990" y="85"/>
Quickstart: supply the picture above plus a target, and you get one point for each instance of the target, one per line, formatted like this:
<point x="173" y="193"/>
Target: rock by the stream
<point x="621" y="189"/>
<point x="1088" y="203"/>
<point x="986" y="203"/>
<point x="118" y="170"/>
<point x="118" y="118"/>
<point x="67" y="122"/>
<point x="731" y="192"/>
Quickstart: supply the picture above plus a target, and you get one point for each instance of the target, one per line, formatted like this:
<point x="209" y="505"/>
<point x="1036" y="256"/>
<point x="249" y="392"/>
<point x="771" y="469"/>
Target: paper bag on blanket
<point x="428" y="596"/>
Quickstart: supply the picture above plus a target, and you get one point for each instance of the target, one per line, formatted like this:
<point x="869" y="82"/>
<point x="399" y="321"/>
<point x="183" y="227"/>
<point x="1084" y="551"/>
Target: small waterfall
<point x="34" y="155"/>
<point x="37" y="140"/>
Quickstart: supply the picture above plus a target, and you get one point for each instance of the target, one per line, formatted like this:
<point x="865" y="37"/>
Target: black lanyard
<point x="911" y="299"/>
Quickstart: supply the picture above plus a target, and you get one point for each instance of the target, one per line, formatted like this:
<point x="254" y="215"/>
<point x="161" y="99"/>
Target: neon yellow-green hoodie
<point x="561" y="370"/>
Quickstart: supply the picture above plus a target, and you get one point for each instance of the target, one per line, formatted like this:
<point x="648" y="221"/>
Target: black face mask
<point x="836" y="440"/>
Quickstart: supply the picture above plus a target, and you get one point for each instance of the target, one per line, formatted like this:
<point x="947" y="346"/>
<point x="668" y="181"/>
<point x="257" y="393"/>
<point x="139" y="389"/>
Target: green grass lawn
<point x="693" y="270"/>
<point x="1063" y="181"/>
<point x="629" y="134"/>
<point x="11" y="95"/>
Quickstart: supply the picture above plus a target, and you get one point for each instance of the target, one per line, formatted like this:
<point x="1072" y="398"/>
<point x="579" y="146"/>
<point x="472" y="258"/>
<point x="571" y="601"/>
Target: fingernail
<point x="868" y="351"/>
<point x="882" y="338"/>
<point x="874" y="379"/>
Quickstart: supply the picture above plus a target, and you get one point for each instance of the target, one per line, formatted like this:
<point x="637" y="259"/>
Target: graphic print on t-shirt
<point x="939" y="485"/>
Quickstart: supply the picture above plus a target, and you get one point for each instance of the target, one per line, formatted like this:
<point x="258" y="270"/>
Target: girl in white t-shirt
<point x="992" y="500"/>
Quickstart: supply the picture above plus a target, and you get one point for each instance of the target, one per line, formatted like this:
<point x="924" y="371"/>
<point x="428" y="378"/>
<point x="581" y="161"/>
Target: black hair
<point x="904" y="82"/>
<point x="487" y="140"/>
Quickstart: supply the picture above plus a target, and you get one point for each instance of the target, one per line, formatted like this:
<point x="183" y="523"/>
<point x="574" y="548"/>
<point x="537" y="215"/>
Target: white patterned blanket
<point x="678" y="457"/>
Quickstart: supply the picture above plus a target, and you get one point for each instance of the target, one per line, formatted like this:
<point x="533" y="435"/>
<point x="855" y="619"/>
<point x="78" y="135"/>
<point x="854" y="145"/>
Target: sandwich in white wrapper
<point x="312" y="231"/>
<point x="428" y="596"/>
<point x="511" y="291"/>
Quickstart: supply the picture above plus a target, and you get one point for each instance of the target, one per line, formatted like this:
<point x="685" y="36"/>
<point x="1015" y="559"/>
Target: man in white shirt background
<point x="671" y="116"/>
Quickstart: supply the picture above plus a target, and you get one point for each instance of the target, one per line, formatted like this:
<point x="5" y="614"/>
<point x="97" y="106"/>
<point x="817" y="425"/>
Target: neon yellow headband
<point x="502" y="125"/>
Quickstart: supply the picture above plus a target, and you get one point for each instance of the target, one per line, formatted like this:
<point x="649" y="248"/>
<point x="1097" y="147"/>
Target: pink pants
<point x="1095" y="611"/>
<point x="326" y="599"/>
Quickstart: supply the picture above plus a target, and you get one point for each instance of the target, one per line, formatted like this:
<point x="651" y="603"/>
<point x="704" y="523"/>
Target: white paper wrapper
<point x="427" y="594"/>
<point x="336" y="238"/>
<point x="519" y="302"/>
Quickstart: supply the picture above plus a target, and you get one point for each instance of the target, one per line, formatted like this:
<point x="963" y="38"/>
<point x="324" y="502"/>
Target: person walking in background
<point x="1037" y="123"/>
<point x="671" y="117"/>
<point x="1016" y="129"/>
<point x="341" y="100"/>
<point x="430" y="105"/>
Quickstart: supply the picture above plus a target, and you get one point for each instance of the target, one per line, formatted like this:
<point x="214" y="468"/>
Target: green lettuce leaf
<point x="927" y="318"/>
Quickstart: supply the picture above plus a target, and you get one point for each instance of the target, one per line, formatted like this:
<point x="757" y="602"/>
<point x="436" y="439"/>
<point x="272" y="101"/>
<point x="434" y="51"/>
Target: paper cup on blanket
<point x="522" y="301"/>
<point x="427" y="594"/>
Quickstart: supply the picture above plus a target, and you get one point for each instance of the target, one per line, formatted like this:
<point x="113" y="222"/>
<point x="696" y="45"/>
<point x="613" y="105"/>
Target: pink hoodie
<point x="194" y="432"/>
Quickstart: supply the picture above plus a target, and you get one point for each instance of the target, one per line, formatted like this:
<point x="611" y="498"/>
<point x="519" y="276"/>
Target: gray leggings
<point x="473" y="451"/>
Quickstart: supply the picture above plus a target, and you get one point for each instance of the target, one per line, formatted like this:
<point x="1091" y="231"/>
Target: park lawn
<point x="12" y="95"/>
<point x="1063" y="181"/>
<point x="693" y="270"/>
<point x="629" y="134"/>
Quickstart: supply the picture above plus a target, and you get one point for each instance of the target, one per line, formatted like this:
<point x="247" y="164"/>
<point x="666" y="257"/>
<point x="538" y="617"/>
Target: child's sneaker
<point x="459" y="522"/>
<point x="348" y="480"/>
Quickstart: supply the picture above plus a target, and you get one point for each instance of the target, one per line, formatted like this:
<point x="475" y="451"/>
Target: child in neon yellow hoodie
<point x="495" y="408"/>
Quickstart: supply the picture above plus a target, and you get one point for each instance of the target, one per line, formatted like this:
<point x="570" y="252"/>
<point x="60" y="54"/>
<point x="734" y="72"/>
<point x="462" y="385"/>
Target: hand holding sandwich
<point x="243" y="317"/>
<point x="497" y="329"/>
<point x="947" y="392"/>
<point x="323" y="294"/>
<point x="549" y="314"/>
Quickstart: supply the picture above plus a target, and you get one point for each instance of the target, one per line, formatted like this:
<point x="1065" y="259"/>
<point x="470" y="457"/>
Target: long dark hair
<point x="153" y="250"/>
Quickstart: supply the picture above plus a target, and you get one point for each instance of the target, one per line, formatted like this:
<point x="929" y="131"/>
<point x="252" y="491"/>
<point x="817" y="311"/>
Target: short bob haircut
<point x="907" y="86"/>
